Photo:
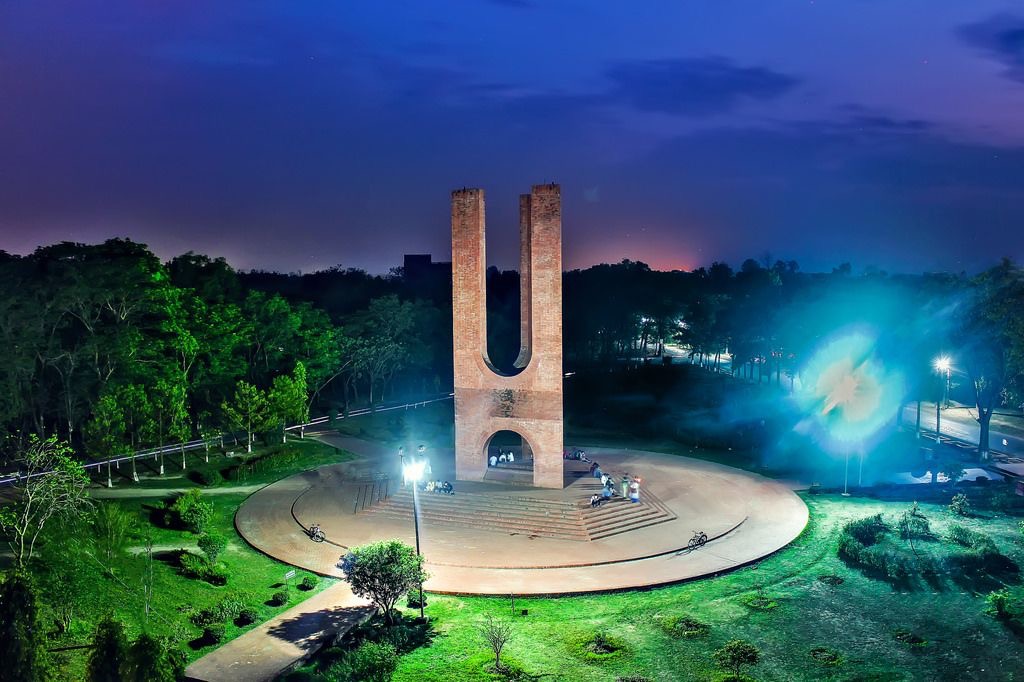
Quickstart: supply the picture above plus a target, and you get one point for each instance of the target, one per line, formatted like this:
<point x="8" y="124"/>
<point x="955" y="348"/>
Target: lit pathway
<point x="272" y="648"/>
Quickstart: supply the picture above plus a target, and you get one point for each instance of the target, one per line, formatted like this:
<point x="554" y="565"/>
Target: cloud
<point x="1001" y="37"/>
<point x="694" y="87"/>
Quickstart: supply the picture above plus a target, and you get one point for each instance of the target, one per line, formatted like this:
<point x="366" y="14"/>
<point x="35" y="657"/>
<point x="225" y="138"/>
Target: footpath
<point x="270" y="649"/>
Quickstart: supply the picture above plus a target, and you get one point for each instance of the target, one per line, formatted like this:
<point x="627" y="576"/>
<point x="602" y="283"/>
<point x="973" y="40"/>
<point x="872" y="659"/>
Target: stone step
<point x="559" y="529"/>
<point x="493" y="507"/>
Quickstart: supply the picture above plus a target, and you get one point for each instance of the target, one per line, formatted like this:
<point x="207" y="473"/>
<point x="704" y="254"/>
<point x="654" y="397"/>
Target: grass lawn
<point x="815" y="601"/>
<point x="70" y="562"/>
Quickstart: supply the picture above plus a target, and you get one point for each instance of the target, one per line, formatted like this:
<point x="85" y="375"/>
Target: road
<point x="958" y="422"/>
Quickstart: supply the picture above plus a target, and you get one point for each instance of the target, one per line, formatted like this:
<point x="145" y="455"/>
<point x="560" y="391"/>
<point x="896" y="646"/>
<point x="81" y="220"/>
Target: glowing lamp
<point x="413" y="471"/>
<point x="943" y="364"/>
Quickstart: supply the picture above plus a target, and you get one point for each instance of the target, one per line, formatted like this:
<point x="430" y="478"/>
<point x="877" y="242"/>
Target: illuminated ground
<point x="746" y="516"/>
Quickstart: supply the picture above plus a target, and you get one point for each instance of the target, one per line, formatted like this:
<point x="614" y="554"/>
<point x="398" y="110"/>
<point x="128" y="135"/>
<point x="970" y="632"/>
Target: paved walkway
<point x="272" y="648"/>
<point x="140" y="491"/>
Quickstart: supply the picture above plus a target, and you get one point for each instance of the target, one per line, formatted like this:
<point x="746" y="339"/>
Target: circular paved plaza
<point x="498" y="538"/>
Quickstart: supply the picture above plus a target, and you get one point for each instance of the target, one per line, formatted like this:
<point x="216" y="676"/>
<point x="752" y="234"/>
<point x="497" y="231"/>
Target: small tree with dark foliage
<point x="19" y="631"/>
<point x="382" y="572"/>
<point x="109" y="651"/>
<point x="736" y="654"/>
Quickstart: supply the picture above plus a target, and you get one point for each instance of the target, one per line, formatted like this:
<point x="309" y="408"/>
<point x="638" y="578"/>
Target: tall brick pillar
<point x="486" y="400"/>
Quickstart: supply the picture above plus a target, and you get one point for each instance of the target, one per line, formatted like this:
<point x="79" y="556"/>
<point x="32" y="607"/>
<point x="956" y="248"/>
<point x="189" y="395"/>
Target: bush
<point x="826" y="656"/>
<point x="247" y="616"/>
<point x="212" y="545"/>
<point x="867" y="531"/>
<point x="308" y="583"/>
<point x="192" y="511"/>
<point x="971" y="539"/>
<point x="601" y="646"/>
<point x="683" y="626"/>
<point x="908" y="637"/>
<point x="960" y="505"/>
<point x="999" y="603"/>
<point x="232" y="605"/>
<point x="208" y="477"/>
<point x="214" y="634"/>
<point x="279" y="598"/>
<point x="205" y="617"/>
<point x="369" y="662"/>
<point x="195" y="566"/>
<point x="736" y="654"/>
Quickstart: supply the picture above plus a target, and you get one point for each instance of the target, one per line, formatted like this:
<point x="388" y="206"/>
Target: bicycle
<point x="699" y="539"/>
<point x="317" y="535"/>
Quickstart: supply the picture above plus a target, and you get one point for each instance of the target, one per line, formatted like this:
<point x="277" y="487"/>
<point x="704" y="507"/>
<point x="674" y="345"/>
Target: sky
<point x="297" y="136"/>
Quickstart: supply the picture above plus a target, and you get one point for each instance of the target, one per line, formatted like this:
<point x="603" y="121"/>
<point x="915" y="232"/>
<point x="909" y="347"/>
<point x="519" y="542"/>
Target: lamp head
<point x="943" y="364"/>
<point x="413" y="471"/>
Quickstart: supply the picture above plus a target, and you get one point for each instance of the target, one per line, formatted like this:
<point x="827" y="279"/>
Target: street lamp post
<point x="413" y="472"/>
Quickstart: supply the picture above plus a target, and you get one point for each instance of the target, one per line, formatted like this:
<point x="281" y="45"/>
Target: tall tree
<point x="246" y="411"/>
<point x="286" y="399"/>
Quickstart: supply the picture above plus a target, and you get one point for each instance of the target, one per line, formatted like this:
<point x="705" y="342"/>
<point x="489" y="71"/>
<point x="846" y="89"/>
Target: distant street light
<point x="413" y="471"/>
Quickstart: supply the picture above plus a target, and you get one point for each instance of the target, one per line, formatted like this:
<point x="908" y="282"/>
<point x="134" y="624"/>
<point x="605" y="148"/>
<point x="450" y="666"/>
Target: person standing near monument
<point x="634" y="490"/>
<point x="625" y="485"/>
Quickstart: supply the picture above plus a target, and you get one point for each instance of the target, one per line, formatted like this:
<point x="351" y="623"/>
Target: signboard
<point x="289" y="575"/>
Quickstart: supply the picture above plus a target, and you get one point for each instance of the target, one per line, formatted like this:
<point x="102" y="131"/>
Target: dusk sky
<point x="301" y="135"/>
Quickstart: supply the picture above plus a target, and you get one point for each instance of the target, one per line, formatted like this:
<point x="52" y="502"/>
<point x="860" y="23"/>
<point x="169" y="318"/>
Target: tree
<point x="382" y="572"/>
<point x="52" y="485"/>
<point x="989" y="340"/>
<point x="150" y="660"/>
<point x="287" y="399"/>
<point x="19" y="632"/>
<point x="247" y="411"/>
<point x="192" y="510"/>
<point x="496" y="633"/>
<point x="212" y="544"/>
<point x="111" y="528"/>
<point x="736" y="654"/>
<point x="109" y="652"/>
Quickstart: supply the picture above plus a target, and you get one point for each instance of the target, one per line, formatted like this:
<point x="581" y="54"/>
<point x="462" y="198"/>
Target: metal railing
<point x="205" y="443"/>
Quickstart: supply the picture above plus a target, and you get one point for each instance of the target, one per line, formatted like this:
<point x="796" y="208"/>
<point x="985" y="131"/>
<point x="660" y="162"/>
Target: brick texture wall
<point x="487" y="401"/>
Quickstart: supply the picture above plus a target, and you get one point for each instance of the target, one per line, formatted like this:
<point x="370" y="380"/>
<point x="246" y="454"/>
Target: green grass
<point x="174" y="596"/>
<point x="856" y="620"/>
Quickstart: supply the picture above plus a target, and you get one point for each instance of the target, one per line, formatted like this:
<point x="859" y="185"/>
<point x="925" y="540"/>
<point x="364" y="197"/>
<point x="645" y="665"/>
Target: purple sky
<point x="300" y="135"/>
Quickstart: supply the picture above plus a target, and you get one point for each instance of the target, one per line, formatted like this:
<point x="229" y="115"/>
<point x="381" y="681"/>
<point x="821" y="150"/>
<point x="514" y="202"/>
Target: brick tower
<point x="529" y="402"/>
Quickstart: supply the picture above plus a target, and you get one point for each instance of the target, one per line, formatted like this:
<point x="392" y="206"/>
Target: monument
<point x="529" y="401"/>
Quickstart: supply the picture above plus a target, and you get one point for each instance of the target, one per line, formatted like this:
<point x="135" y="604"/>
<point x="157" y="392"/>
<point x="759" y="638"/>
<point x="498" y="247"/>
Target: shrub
<point x="309" y="583"/>
<point x="826" y="656"/>
<point x="960" y="505"/>
<point x="214" y="633"/>
<point x="232" y="605"/>
<point x="247" y="616"/>
<point x="971" y="539"/>
<point x="279" y="598"/>
<point x="192" y="511"/>
<point x="212" y="544"/>
<point x="908" y="637"/>
<point x="601" y="646"/>
<point x="369" y="662"/>
<point x="208" y="477"/>
<point x="831" y="580"/>
<point x="736" y="654"/>
<point x="683" y="626"/>
<point x="999" y="603"/>
<point x="195" y="566"/>
<point x="206" y="617"/>
<point x="867" y="531"/>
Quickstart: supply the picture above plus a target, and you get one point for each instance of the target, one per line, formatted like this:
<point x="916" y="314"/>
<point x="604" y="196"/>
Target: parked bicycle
<point x="316" y="534"/>
<point x="699" y="539"/>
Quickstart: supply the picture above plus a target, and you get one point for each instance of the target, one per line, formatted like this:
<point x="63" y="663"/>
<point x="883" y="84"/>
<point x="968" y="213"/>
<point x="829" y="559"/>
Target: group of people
<point x="575" y="454"/>
<point x="502" y="457"/>
<point x="630" y="487"/>
<point x="441" y="487"/>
